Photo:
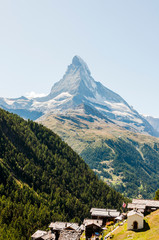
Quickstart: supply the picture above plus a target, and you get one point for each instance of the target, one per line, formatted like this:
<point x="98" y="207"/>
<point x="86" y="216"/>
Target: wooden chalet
<point x="58" y="227"/>
<point x="87" y="222"/>
<point x="92" y="228"/>
<point x="104" y="214"/>
<point x="145" y="206"/>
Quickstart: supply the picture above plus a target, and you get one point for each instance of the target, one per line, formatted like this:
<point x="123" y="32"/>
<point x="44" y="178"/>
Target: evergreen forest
<point x="43" y="180"/>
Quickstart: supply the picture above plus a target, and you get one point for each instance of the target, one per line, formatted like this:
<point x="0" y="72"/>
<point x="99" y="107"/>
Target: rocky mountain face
<point x="78" y="91"/>
<point x="154" y="122"/>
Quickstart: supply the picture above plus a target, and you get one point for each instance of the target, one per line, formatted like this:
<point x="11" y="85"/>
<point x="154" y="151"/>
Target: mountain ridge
<point x="78" y="87"/>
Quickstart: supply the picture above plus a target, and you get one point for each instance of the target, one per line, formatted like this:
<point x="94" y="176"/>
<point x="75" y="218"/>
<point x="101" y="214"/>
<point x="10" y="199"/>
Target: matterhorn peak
<point x="78" y="88"/>
<point x="79" y="62"/>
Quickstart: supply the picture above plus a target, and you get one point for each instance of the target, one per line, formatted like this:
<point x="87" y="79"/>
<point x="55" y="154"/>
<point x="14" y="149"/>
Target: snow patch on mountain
<point x="63" y="96"/>
<point x="8" y="101"/>
<point x="51" y="104"/>
<point x="119" y="106"/>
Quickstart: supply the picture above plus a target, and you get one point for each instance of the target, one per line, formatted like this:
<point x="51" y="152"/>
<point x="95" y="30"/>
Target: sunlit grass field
<point x="150" y="231"/>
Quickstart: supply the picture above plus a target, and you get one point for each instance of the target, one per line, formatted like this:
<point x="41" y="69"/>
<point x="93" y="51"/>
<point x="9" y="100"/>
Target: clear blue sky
<point x="119" y="40"/>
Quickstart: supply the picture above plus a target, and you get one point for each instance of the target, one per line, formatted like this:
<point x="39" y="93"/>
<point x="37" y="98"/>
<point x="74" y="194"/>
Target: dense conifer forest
<point x="42" y="180"/>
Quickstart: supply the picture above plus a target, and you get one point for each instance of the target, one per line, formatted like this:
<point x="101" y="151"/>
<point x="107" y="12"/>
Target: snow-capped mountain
<point x="77" y="90"/>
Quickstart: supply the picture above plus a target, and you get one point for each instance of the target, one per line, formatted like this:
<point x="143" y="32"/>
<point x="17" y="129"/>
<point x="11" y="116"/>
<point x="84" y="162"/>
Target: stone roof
<point x="63" y="225"/>
<point x="105" y="213"/>
<point x="140" y="207"/>
<point x="147" y="202"/>
<point x="73" y="226"/>
<point x="49" y="236"/>
<point x="97" y="222"/>
<point x="103" y="210"/>
<point x="135" y="212"/>
<point x="38" y="234"/>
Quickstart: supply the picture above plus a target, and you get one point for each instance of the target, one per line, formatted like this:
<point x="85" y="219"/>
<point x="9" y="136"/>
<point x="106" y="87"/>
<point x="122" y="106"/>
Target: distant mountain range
<point x="78" y="91"/>
<point x="154" y="122"/>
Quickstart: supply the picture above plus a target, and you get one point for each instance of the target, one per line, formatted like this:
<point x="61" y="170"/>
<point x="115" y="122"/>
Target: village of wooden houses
<point x="96" y="227"/>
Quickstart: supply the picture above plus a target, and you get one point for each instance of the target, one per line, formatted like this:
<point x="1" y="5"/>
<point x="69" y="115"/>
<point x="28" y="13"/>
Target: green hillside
<point x="150" y="231"/>
<point x="42" y="179"/>
<point x="125" y="160"/>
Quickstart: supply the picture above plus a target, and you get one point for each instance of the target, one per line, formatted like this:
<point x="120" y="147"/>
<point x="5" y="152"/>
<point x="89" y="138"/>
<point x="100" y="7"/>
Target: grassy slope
<point x="90" y="140"/>
<point x="151" y="231"/>
<point x="85" y="132"/>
